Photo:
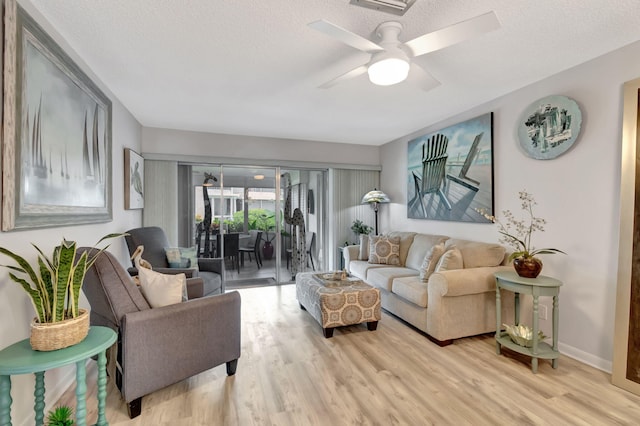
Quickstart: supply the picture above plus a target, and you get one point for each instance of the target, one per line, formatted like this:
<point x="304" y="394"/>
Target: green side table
<point x="19" y="358"/>
<point x="540" y="286"/>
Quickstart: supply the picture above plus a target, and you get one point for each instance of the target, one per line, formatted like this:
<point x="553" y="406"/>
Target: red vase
<point x="528" y="267"/>
<point x="267" y="250"/>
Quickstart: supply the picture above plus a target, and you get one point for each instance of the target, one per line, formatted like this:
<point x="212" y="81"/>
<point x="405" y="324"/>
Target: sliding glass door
<point x="238" y="213"/>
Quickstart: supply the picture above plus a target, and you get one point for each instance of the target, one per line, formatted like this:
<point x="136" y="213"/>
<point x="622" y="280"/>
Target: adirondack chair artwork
<point x="450" y="172"/>
<point x="434" y="161"/>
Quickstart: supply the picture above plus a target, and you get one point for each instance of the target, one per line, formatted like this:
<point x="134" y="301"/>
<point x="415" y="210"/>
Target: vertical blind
<point x="348" y="187"/>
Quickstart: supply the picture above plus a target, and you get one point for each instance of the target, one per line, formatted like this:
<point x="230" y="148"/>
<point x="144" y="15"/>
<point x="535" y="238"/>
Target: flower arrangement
<point x="517" y="233"/>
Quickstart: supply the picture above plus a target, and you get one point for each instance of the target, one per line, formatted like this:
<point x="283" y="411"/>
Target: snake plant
<point x="55" y="291"/>
<point x="60" y="416"/>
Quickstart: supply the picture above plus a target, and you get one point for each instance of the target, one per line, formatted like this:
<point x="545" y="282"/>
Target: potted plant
<point x="55" y="292"/>
<point x="265" y="221"/>
<point x="359" y="228"/>
<point x="60" y="416"/>
<point x="517" y="233"/>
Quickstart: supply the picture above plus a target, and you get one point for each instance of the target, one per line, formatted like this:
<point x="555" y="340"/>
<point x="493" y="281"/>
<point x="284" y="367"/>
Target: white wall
<point x="265" y="151"/>
<point x="16" y="311"/>
<point x="577" y="193"/>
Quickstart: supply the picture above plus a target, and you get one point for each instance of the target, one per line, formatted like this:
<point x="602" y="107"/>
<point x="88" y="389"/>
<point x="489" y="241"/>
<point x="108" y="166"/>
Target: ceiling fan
<point x="391" y="59"/>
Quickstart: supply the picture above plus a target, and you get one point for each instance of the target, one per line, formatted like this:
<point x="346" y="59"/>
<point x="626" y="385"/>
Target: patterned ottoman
<point x="337" y="303"/>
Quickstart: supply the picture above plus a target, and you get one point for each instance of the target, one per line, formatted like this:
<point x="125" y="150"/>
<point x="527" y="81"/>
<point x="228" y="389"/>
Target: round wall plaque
<point x="549" y="127"/>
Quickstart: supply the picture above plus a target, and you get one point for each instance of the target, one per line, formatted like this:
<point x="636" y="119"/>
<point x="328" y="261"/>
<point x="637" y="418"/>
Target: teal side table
<point x="19" y="358"/>
<point x="540" y="286"/>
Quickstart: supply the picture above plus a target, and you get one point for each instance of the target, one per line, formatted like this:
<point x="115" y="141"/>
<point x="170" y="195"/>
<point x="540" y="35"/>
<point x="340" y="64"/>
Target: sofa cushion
<point x="406" y="240"/>
<point x="383" y="277"/>
<point x="411" y="289"/>
<point x="430" y="261"/>
<point x="451" y="259"/>
<point x="422" y="243"/>
<point x="364" y="247"/>
<point x="477" y="254"/>
<point x="384" y="250"/>
<point x="359" y="268"/>
<point x="162" y="289"/>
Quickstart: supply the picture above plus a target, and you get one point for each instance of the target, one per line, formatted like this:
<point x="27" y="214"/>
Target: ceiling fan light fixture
<point x="388" y="71"/>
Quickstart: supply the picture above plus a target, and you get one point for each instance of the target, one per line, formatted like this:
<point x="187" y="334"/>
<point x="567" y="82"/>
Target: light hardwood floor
<point x="289" y="374"/>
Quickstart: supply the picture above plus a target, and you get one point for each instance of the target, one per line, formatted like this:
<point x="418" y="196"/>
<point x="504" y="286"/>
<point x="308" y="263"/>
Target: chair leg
<point x="231" y="367"/>
<point x="311" y="258"/>
<point x="134" y="408"/>
<point x="444" y="199"/>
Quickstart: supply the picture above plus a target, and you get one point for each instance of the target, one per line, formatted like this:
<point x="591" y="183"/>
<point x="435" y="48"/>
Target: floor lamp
<point x="375" y="198"/>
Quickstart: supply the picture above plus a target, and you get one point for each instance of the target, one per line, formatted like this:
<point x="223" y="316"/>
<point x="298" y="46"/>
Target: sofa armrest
<point x="459" y="282"/>
<point x="214" y="264"/>
<point x="195" y="287"/>
<point x="350" y="253"/>
<point x="156" y="338"/>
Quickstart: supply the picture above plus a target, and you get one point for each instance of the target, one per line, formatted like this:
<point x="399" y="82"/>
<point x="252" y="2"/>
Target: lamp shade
<point x="375" y="196"/>
<point x="388" y="72"/>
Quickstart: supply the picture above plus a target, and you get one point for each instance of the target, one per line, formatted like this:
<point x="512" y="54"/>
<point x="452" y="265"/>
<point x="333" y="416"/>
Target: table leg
<point x="556" y="318"/>
<point x="81" y="390"/>
<point x="534" y="347"/>
<point x="516" y="302"/>
<point x="498" y="317"/>
<point x="102" y="388"/>
<point x="5" y="401"/>
<point x="39" y="398"/>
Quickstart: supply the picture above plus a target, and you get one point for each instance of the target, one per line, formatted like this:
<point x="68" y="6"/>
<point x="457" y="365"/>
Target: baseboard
<point x="586" y="358"/>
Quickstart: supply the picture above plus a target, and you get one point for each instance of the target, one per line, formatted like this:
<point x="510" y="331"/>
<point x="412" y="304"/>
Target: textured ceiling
<point x="253" y="67"/>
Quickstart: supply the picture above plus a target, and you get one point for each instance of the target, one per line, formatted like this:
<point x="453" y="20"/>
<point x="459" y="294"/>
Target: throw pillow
<point x="162" y="289"/>
<point x="174" y="258"/>
<point x="384" y="250"/>
<point x="364" y="247"/>
<point x="182" y="257"/>
<point x="430" y="261"/>
<point x="451" y="259"/>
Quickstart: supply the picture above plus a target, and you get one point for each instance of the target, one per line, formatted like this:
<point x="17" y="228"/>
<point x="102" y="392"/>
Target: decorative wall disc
<point x="549" y="127"/>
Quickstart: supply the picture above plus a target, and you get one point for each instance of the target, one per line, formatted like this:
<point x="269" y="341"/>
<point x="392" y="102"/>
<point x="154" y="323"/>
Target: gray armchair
<point x="155" y="241"/>
<point x="191" y="337"/>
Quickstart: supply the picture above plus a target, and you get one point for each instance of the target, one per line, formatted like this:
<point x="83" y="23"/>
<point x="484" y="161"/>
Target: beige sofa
<point x="452" y="303"/>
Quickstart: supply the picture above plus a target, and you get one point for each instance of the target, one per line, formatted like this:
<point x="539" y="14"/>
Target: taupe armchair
<point x="155" y="241"/>
<point x="190" y="337"/>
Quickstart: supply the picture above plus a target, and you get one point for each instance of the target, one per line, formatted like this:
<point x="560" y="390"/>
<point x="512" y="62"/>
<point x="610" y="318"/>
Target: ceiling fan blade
<point x="424" y="77"/>
<point x="345" y="36"/>
<point x="453" y="34"/>
<point x="346" y="76"/>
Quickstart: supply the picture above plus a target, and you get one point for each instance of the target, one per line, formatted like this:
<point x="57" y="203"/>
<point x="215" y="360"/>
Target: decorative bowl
<point x="522" y="335"/>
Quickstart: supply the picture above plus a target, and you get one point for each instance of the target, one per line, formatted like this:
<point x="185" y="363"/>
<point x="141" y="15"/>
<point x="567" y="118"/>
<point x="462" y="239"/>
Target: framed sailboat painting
<point x="56" y="133"/>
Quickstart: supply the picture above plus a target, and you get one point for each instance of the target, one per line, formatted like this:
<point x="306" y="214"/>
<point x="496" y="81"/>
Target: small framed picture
<point x="133" y="180"/>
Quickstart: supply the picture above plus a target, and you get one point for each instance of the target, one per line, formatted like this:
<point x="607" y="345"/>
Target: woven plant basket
<point x="58" y="335"/>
